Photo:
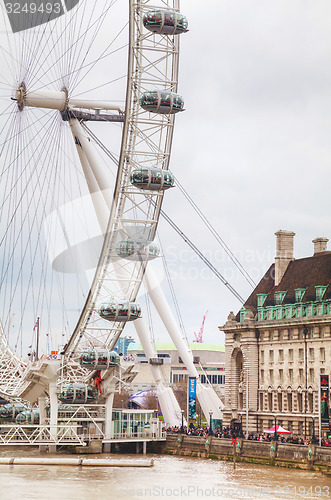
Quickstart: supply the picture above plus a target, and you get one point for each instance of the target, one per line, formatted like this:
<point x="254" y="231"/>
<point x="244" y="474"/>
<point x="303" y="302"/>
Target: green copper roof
<point x="169" y="346"/>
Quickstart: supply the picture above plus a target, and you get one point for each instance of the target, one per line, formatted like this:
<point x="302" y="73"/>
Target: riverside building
<point x="279" y="343"/>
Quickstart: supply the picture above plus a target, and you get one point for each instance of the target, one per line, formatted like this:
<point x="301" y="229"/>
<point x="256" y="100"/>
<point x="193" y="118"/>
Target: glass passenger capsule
<point x="165" y="22"/>
<point x="137" y="249"/>
<point x="28" y="417"/>
<point x="120" y="311"/>
<point x="163" y="102"/>
<point x="77" y="394"/>
<point x="99" y="359"/>
<point x="10" y="411"/>
<point x="155" y="179"/>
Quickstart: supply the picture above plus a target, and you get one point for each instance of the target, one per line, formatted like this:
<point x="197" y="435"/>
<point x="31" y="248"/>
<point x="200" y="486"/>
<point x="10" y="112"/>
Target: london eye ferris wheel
<point x="88" y="104"/>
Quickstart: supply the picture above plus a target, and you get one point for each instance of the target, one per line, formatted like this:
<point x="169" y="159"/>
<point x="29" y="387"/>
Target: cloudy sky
<point x="252" y="148"/>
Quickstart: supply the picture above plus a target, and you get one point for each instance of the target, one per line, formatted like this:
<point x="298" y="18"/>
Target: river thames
<point x="171" y="477"/>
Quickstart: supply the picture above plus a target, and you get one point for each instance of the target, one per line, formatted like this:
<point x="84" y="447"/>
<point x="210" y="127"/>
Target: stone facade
<point x="279" y="343"/>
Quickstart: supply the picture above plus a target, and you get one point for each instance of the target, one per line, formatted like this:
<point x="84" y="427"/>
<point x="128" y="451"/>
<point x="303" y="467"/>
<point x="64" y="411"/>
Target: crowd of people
<point x="228" y="433"/>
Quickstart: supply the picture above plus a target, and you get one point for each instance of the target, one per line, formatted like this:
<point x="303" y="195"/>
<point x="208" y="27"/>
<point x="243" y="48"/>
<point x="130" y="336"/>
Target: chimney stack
<point x="320" y="245"/>
<point x="284" y="253"/>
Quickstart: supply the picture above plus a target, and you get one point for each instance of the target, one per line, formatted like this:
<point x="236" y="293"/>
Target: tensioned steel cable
<point x="227" y="250"/>
<point x="184" y="237"/>
<point x="202" y="257"/>
<point x="173" y="294"/>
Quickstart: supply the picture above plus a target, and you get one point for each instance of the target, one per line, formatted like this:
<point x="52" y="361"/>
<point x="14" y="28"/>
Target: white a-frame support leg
<point x="207" y="397"/>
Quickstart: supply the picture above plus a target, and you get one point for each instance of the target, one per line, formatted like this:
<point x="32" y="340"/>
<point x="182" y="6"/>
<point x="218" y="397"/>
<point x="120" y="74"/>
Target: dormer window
<point x="279" y="297"/>
<point x="320" y="291"/>
<point x="243" y="312"/>
<point x="261" y="298"/>
<point x="299" y="293"/>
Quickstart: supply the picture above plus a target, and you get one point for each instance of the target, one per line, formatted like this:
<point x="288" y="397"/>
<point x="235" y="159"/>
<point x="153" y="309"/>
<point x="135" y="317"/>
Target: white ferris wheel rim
<point x="163" y="126"/>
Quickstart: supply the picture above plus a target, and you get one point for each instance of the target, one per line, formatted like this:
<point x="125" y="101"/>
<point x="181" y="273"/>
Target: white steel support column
<point x="101" y="177"/>
<point x="53" y="413"/>
<point x="108" y="421"/>
<point x="42" y="410"/>
<point x="168" y="402"/>
<point x="98" y="200"/>
<point x="42" y="417"/>
<point x="208" y="398"/>
<point x="168" y="319"/>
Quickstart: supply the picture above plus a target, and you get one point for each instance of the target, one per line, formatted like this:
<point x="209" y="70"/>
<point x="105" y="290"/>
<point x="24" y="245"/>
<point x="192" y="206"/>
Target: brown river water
<point x="171" y="477"/>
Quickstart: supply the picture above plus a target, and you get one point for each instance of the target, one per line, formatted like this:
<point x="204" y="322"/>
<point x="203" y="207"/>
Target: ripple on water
<point x="171" y="477"/>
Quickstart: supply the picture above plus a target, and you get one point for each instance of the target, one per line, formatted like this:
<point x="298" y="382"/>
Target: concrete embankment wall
<point x="273" y="453"/>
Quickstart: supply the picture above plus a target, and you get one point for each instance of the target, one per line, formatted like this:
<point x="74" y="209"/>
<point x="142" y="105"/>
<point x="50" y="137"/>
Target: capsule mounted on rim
<point x="99" y="359"/>
<point x="119" y="311"/>
<point x="10" y="411"/>
<point x="78" y="394"/>
<point x="137" y="250"/>
<point x="163" y="102"/>
<point x="28" y="417"/>
<point x="154" y="179"/>
<point x="165" y="22"/>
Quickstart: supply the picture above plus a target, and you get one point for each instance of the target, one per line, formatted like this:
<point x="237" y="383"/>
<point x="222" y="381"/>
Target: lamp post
<point x="210" y="423"/>
<point x="275" y="433"/>
<point x="182" y="427"/>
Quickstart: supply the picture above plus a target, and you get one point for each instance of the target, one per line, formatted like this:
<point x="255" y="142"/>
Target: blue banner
<point x="192" y="399"/>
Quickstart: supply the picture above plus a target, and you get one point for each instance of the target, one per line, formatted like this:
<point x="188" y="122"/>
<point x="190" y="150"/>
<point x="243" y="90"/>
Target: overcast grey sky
<point x="253" y="146"/>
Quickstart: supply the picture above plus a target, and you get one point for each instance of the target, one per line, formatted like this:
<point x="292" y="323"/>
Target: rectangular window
<point x="261" y="401"/>
<point x="311" y="375"/>
<point x="311" y="403"/>
<point x="322" y="353"/>
<point x="311" y="354"/>
<point x="272" y="336"/>
<point x="291" y="334"/>
<point x="289" y="401"/>
<point x="203" y="379"/>
<point x="311" y="333"/>
<point x="290" y="375"/>
<point x="214" y="379"/>
<point x="262" y="356"/>
<point x="290" y="354"/>
<point x="280" y="402"/>
<point x="299" y="396"/>
<point x="301" y="355"/>
<point x="270" y="401"/>
<point x="271" y="376"/>
<point x="301" y="335"/>
<point x="271" y="356"/>
<point x="281" y="334"/>
<point x="301" y="380"/>
<point x="281" y="376"/>
<point x="281" y="355"/>
<point x="322" y="332"/>
<point x="262" y="376"/>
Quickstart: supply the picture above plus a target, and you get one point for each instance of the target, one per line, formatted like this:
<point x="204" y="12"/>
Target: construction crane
<point x="199" y="336"/>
